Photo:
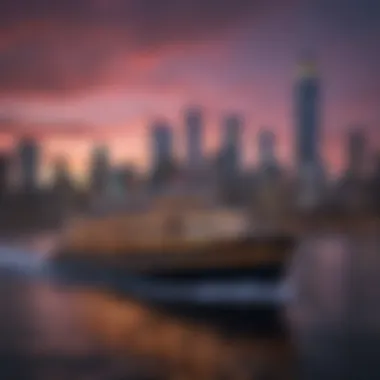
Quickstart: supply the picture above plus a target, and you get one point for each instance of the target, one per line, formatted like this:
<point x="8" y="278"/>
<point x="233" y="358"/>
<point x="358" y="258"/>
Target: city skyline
<point x="129" y="64"/>
<point x="359" y="156"/>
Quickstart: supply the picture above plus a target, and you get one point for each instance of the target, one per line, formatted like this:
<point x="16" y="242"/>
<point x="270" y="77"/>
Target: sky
<point x="75" y="73"/>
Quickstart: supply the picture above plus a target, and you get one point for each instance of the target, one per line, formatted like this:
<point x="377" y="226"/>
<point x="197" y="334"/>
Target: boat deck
<point x="242" y="253"/>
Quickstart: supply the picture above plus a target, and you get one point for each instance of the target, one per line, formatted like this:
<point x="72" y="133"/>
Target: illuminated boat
<point x="175" y="238"/>
<point x="184" y="257"/>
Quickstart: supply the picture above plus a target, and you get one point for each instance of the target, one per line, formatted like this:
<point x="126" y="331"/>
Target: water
<point x="63" y="329"/>
<point x="336" y="312"/>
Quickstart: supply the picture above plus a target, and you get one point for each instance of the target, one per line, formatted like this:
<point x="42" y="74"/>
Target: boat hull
<point x="236" y="287"/>
<point x="251" y="252"/>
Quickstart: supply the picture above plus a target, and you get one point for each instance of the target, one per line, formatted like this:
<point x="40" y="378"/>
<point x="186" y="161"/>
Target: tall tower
<point x="228" y="163"/>
<point x="100" y="170"/>
<point x="63" y="187"/>
<point x="266" y="148"/>
<point x="231" y="145"/>
<point x="29" y="160"/>
<point x="163" y="165"/>
<point x="194" y="133"/>
<point x="307" y="118"/>
<point x="308" y="163"/>
<point x="61" y="172"/>
<point x="162" y="144"/>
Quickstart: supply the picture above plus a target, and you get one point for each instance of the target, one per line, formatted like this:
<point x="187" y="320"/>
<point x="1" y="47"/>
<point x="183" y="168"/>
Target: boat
<point x="196" y="261"/>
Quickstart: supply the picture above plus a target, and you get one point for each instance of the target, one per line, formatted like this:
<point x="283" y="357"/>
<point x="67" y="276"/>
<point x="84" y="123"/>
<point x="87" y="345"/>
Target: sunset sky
<point x="73" y="72"/>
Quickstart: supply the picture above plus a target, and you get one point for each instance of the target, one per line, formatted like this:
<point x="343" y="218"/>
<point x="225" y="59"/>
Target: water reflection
<point x="319" y="275"/>
<point x="335" y="316"/>
<point x="184" y="347"/>
<point x="64" y="332"/>
<point x="66" y="323"/>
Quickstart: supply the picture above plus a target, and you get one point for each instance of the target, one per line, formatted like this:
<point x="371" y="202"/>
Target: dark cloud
<point x="60" y="46"/>
<point x="148" y="17"/>
<point x="350" y="16"/>
<point x="63" y="46"/>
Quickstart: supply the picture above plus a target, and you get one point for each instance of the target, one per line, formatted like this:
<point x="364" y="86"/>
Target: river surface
<point x="52" y="329"/>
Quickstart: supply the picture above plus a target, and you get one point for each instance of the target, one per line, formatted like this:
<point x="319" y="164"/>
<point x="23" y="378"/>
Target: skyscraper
<point x="100" y="170"/>
<point x="231" y="144"/>
<point x="229" y="157"/>
<point x="63" y="188"/>
<point x="356" y="153"/>
<point x="163" y="165"/>
<point x="193" y="122"/>
<point x="266" y="148"/>
<point x="29" y="160"/>
<point x="307" y="118"/>
<point x="162" y="144"/>
<point x="307" y="135"/>
<point x="62" y="178"/>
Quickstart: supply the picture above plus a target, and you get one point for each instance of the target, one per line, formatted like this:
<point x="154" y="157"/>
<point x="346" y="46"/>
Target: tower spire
<point x="307" y="67"/>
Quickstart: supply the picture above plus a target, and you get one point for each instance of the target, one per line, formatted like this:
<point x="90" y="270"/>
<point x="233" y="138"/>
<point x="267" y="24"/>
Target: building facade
<point x="231" y="145"/>
<point x="162" y="144"/>
<point x="307" y="98"/>
<point x="100" y="170"/>
<point x="29" y="164"/>
<point x="194" y="138"/>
